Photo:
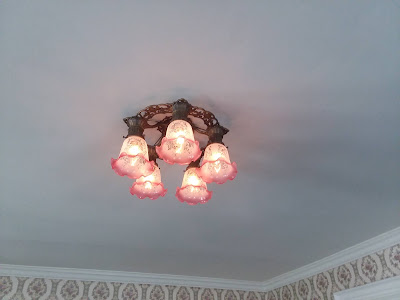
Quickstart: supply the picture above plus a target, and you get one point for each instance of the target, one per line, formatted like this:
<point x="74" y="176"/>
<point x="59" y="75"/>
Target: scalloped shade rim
<point x="181" y="198"/>
<point x="230" y="175"/>
<point x="138" y="189"/>
<point x="147" y="169"/>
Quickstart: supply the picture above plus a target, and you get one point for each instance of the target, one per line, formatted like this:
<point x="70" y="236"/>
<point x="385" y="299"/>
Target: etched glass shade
<point x="179" y="146"/>
<point x="133" y="160"/>
<point x="149" y="186"/>
<point x="216" y="165"/>
<point x="193" y="189"/>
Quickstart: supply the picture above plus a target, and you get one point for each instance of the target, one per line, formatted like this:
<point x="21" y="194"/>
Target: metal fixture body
<point x="161" y="115"/>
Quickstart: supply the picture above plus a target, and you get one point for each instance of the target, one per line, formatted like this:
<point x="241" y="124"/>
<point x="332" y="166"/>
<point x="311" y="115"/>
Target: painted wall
<point x="377" y="266"/>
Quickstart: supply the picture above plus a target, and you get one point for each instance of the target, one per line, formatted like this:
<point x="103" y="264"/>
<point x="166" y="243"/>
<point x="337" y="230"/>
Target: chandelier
<point x="176" y="145"/>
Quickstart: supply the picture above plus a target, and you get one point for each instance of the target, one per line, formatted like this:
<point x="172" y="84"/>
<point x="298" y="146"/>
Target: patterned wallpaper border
<point x="370" y="268"/>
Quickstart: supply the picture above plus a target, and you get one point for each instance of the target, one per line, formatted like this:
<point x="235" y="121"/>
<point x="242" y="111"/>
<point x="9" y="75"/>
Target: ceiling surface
<point x="309" y="90"/>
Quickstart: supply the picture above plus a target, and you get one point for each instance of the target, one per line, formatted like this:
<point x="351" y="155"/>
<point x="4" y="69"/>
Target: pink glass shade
<point x="194" y="189"/>
<point x="149" y="186"/>
<point x="216" y="165"/>
<point x="179" y="146"/>
<point x="133" y="160"/>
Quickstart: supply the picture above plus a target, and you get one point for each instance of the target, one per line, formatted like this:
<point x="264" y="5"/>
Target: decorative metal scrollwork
<point x="208" y="117"/>
<point x="148" y="117"/>
<point x="151" y="111"/>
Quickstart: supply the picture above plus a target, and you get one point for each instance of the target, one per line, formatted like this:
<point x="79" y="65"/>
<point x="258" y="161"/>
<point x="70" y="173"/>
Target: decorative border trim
<point x="384" y="288"/>
<point x="373" y="245"/>
<point x="370" y="246"/>
<point x="127" y="277"/>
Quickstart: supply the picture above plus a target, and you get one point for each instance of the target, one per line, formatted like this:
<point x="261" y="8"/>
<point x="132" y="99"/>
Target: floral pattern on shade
<point x="133" y="160"/>
<point x="216" y="165"/>
<point x="179" y="146"/>
<point x="377" y="266"/>
<point x="194" y="189"/>
<point x="149" y="186"/>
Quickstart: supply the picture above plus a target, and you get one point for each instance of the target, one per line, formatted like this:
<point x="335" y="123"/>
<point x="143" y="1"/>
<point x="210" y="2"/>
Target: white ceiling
<point x="311" y="94"/>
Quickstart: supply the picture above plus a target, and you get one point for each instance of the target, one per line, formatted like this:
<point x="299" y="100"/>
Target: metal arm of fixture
<point x="216" y="133"/>
<point x="135" y="126"/>
<point x="159" y="116"/>
<point x="180" y="110"/>
<point x="194" y="164"/>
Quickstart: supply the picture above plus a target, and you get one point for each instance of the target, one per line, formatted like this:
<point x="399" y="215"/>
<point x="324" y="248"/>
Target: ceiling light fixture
<point x="176" y="145"/>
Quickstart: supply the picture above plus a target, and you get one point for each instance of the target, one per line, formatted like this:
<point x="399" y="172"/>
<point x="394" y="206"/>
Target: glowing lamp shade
<point x="133" y="160"/>
<point x="194" y="189"/>
<point x="149" y="186"/>
<point x="216" y="165"/>
<point x="179" y="146"/>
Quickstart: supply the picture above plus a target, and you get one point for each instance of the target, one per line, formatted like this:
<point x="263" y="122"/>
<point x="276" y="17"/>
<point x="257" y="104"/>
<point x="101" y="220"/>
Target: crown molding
<point x="127" y="277"/>
<point x="370" y="246"/>
<point x="383" y="289"/>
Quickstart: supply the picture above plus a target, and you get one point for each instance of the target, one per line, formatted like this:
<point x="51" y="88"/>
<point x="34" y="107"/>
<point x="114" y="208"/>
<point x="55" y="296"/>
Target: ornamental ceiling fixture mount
<point x="175" y="145"/>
